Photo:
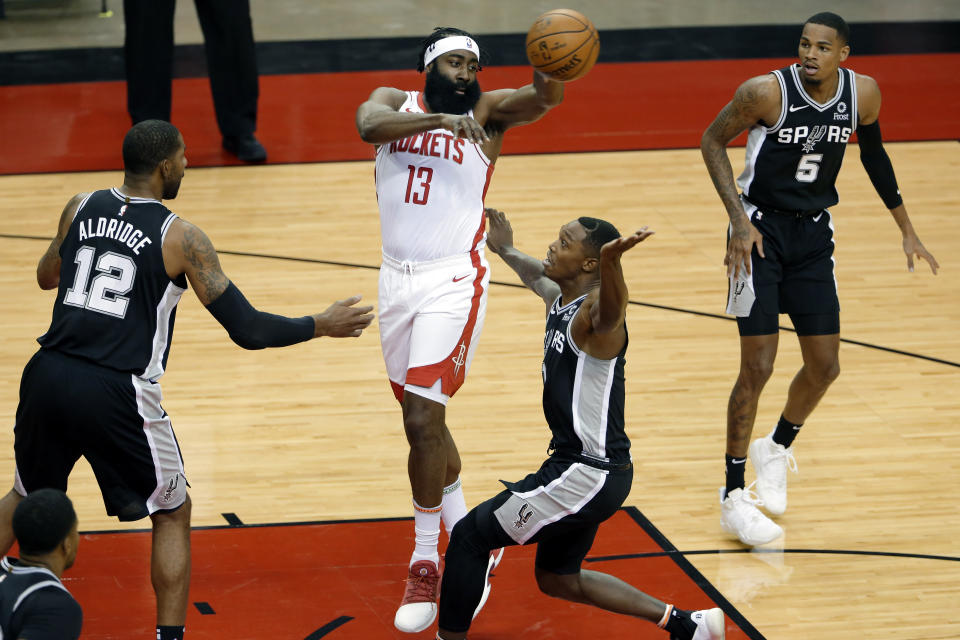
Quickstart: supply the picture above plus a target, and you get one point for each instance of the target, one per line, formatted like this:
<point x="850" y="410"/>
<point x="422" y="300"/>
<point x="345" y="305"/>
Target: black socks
<point x="735" y="467"/>
<point x="785" y="432"/>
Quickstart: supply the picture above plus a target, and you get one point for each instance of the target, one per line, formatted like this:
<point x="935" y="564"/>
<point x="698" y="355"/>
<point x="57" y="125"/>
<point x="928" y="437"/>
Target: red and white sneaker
<point x="418" y="609"/>
<point x="495" y="557"/>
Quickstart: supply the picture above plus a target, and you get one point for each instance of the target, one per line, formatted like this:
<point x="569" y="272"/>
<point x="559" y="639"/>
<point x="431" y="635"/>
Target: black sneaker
<point x="247" y="148"/>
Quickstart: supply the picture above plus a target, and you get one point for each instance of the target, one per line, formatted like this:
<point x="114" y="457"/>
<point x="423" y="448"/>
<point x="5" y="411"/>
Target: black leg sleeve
<point x="148" y="53"/>
<point x="465" y="563"/>
<point x="232" y="63"/>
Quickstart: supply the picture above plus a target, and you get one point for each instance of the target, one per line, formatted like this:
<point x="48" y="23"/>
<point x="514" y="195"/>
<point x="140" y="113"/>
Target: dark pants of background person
<point x="231" y="61"/>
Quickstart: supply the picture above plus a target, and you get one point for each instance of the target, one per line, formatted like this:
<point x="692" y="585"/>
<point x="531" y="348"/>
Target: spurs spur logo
<point x="523" y="516"/>
<point x="816" y="135"/>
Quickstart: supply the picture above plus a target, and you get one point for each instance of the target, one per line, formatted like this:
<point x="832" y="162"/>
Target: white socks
<point x="426" y="522"/>
<point x="453" y="506"/>
<point x="426" y="528"/>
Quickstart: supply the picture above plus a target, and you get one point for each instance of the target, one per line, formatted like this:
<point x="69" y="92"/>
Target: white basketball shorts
<point x="431" y="316"/>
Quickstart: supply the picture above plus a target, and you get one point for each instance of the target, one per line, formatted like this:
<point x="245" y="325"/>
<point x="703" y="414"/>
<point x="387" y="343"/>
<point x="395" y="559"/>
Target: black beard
<point x="170" y="189"/>
<point x="440" y="94"/>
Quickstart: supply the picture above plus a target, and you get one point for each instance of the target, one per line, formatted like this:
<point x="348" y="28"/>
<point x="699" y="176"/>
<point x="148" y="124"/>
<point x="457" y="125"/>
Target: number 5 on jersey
<point x="421" y="192"/>
<point x="809" y="167"/>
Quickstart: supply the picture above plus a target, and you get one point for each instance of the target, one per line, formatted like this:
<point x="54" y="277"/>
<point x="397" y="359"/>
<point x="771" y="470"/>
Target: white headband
<point x="448" y="44"/>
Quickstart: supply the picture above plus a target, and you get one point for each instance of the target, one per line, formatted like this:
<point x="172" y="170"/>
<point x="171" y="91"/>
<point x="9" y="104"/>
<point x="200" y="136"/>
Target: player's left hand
<point x="618" y="246"/>
<point x="913" y="247"/>
<point x="499" y="231"/>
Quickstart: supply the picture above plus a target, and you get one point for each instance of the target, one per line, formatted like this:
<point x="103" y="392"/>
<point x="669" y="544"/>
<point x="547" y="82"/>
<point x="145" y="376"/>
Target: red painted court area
<point x="310" y="117"/>
<point x="344" y="580"/>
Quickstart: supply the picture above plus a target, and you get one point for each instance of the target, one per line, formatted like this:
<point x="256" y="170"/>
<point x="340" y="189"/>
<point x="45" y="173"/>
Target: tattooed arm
<point x="756" y="101"/>
<point x="188" y="250"/>
<point x="48" y="269"/>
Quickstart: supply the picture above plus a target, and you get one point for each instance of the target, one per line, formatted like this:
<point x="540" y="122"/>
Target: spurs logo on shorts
<point x="523" y="517"/>
<point x="171" y="488"/>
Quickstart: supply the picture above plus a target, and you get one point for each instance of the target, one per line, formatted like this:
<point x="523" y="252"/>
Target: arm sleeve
<point x="51" y="614"/>
<point x="252" y="329"/>
<point x="877" y="163"/>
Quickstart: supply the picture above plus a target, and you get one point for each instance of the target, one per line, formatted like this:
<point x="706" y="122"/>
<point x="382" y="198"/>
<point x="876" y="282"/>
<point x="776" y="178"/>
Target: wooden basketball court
<point x="313" y="433"/>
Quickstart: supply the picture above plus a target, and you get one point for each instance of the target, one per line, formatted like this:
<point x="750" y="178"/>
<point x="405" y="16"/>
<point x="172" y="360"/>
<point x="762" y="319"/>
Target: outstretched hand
<point x="618" y="246"/>
<point x="465" y="127"/>
<point x="342" y="319"/>
<point x="913" y="247"/>
<point x="499" y="231"/>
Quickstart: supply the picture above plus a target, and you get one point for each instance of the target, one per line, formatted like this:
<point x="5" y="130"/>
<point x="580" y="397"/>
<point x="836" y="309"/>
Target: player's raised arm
<point x="878" y="166"/>
<point x="530" y="270"/>
<point x="188" y="250"/>
<point x="48" y="269"/>
<point x="608" y="312"/>
<point x="380" y="120"/>
<point x="515" y="107"/>
<point x="756" y="100"/>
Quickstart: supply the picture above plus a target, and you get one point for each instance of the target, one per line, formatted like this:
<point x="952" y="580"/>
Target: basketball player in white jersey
<point x="434" y="158"/>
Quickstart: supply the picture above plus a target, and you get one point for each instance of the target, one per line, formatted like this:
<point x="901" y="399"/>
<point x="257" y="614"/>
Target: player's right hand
<point x="499" y="231"/>
<point x="465" y="127"/>
<point x="742" y="239"/>
<point x="342" y="319"/>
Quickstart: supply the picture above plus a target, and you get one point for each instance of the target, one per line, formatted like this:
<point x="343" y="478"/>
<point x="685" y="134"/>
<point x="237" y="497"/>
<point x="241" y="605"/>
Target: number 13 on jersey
<point x="419" y="193"/>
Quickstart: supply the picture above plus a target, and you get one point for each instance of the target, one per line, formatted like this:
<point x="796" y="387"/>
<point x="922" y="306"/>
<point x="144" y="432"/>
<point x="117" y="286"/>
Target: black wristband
<point x="877" y="163"/>
<point x="252" y="329"/>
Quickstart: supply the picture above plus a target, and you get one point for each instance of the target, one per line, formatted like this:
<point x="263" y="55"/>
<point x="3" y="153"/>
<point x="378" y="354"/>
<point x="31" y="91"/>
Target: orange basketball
<point x="563" y="43"/>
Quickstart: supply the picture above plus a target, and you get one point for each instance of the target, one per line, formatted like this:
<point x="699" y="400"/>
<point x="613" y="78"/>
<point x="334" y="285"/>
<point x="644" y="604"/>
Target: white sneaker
<point x="739" y="515"/>
<point x="495" y="556"/>
<point x="771" y="461"/>
<point x="710" y="624"/>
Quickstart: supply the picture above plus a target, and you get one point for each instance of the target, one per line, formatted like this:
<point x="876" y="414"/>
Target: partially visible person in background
<point x="34" y="604"/>
<point x="231" y="63"/>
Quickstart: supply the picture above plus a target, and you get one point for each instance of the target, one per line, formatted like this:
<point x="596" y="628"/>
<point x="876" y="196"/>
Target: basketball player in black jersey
<point x="34" y="604"/>
<point x="589" y="473"/>
<point x="779" y="254"/>
<point x="121" y="261"/>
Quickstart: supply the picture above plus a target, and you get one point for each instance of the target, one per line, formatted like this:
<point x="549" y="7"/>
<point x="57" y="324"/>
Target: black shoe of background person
<point x="247" y="148"/>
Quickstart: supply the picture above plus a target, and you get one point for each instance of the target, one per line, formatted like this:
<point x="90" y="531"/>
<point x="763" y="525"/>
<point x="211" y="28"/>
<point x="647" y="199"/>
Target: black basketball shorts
<point x="70" y="408"/>
<point x="559" y="508"/>
<point x="795" y="277"/>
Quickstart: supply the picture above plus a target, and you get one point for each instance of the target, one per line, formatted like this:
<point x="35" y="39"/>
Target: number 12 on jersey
<point x="105" y="294"/>
<point x="420" y="193"/>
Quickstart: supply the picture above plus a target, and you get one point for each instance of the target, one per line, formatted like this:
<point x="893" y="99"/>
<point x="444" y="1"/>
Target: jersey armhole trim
<point x="855" y="106"/>
<point x="40" y="585"/>
<point x="80" y="206"/>
<point x="783" y="102"/>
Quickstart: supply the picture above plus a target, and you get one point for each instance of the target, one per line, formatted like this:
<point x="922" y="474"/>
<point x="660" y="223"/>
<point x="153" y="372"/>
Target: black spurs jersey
<point x="793" y="164"/>
<point x="582" y="396"/>
<point x="116" y="304"/>
<point x="34" y="604"/>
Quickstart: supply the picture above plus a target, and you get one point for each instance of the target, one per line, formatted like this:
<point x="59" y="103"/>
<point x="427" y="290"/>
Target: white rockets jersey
<point x="430" y="189"/>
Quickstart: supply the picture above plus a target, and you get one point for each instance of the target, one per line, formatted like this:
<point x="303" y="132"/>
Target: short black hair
<point x="832" y="20"/>
<point x="42" y="521"/>
<point x="147" y="144"/>
<point x="439" y="33"/>
<point x="599" y="233"/>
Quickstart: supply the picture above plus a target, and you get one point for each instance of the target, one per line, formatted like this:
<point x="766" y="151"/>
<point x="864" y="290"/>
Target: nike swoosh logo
<point x="461" y="278"/>
<point x="738" y="461"/>
<point x="793" y="108"/>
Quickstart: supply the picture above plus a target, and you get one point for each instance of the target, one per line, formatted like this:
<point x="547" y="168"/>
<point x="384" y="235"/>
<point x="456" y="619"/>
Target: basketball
<point x="563" y="44"/>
